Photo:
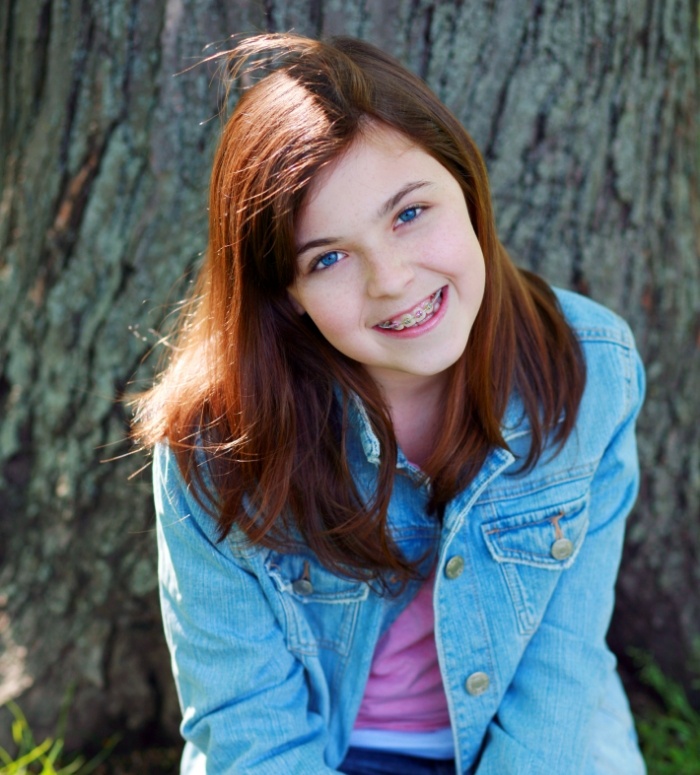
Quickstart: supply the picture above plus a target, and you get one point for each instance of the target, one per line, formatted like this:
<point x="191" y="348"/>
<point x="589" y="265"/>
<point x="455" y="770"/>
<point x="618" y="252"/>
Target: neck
<point x="416" y="409"/>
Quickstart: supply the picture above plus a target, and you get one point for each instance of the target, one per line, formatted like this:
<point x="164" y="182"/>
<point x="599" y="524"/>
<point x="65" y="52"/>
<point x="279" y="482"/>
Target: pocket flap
<point x="307" y="581"/>
<point x="548" y="538"/>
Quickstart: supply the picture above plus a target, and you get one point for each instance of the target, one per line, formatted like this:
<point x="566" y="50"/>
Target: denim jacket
<point x="271" y="651"/>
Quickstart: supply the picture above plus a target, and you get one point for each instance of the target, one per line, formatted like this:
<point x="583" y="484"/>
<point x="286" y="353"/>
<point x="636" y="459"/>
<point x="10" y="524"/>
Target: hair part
<point x="256" y="388"/>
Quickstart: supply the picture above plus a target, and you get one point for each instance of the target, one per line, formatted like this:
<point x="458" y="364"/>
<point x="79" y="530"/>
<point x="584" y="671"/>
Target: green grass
<point x="669" y="731"/>
<point x="47" y="757"/>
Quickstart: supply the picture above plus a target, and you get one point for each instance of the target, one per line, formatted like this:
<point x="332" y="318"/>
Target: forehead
<point x="372" y="141"/>
<point x="376" y="164"/>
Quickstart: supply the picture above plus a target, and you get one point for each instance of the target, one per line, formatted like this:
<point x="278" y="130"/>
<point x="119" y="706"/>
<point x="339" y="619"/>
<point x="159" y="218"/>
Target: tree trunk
<point x="587" y="114"/>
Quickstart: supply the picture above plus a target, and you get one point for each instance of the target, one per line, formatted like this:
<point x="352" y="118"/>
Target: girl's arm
<point x="243" y="694"/>
<point x="549" y="721"/>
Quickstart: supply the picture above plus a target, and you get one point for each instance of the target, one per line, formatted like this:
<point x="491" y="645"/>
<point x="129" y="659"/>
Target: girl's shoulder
<point x="592" y="321"/>
<point x="614" y="384"/>
<point x="615" y="381"/>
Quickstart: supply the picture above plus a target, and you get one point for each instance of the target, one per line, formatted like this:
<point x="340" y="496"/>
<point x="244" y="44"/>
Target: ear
<point x="296" y="304"/>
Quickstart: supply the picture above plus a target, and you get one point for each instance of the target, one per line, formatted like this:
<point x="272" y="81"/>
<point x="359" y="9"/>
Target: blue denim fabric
<point x="270" y="673"/>
<point x="363" y="761"/>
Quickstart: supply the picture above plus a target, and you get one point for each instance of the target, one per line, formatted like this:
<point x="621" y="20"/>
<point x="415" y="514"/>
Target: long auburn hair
<point x="255" y="388"/>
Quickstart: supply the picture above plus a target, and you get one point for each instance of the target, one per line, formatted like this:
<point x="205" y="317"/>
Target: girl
<point x="392" y="470"/>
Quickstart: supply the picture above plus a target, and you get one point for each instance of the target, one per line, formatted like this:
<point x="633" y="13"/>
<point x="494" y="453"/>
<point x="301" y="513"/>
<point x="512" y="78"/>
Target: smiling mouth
<point x="420" y="315"/>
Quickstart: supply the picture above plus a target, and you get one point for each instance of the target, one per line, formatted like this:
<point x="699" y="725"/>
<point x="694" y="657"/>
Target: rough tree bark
<point x="587" y="113"/>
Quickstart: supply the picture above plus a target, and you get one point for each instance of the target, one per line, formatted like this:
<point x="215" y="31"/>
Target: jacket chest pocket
<point x="532" y="550"/>
<point x="320" y="608"/>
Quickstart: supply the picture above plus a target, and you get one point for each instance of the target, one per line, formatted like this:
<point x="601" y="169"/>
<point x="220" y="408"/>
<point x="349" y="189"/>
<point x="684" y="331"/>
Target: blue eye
<point x="409" y="214"/>
<point x="328" y="259"/>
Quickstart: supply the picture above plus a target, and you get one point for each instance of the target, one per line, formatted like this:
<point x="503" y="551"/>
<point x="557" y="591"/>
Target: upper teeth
<point x="418" y="315"/>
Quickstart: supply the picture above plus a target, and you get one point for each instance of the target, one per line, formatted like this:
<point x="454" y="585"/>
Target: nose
<point x="389" y="272"/>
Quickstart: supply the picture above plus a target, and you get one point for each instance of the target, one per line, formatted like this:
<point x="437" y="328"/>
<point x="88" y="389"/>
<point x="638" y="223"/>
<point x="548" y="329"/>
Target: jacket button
<point x="561" y="549"/>
<point x="477" y="683"/>
<point x="302" y="587"/>
<point x="454" y="567"/>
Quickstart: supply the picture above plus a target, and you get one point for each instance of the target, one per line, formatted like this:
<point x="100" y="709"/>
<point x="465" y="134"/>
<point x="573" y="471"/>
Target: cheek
<point x="475" y="259"/>
<point x="479" y="272"/>
<point x="477" y="284"/>
<point x="327" y="311"/>
<point x="332" y="324"/>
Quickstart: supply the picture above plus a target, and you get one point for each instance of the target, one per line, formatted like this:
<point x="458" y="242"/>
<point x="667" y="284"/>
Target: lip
<point x="424" y="328"/>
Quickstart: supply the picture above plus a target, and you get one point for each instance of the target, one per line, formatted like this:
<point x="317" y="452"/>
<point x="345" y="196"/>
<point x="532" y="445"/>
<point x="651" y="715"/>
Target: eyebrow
<point x="385" y="209"/>
<point x="390" y="204"/>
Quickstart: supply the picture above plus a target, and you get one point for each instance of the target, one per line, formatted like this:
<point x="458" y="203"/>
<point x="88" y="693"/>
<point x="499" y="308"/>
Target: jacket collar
<point x="514" y="424"/>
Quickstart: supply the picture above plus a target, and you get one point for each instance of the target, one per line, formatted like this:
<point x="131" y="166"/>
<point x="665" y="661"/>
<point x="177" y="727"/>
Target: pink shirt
<point x="404" y="691"/>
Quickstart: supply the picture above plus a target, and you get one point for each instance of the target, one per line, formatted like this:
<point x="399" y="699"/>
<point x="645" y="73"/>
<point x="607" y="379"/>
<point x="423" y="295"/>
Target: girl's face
<point x="390" y="269"/>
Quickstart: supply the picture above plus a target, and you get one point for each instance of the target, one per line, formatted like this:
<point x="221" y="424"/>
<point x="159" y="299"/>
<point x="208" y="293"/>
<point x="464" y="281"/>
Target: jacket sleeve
<point x="545" y="723"/>
<point x="243" y="694"/>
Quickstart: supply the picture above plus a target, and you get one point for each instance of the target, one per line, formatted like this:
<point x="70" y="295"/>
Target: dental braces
<point x="409" y="320"/>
